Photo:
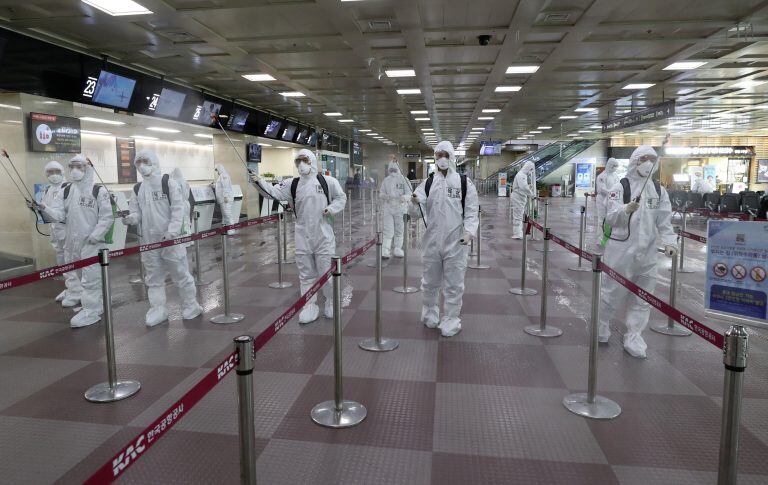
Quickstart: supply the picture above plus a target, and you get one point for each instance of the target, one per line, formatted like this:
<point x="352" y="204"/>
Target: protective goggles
<point x="647" y="158"/>
<point x="142" y="161"/>
<point x="441" y="154"/>
<point x="77" y="165"/>
<point x="53" y="171"/>
<point x="301" y="159"/>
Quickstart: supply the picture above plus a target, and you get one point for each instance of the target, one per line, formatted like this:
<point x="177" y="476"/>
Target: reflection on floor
<point x="482" y="407"/>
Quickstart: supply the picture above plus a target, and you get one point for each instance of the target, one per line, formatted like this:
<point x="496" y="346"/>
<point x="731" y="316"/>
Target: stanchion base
<point x="226" y="319"/>
<point x="352" y="413"/>
<point x="683" y="270"/>
<point x="405" y="289"/>
<point x="278" y="286"/>
<point x="675" y="330"/>
<point x="103" y="393"/>
<point x="602" y="408"/>
<point x="523" y="291"/>
<point x="383" y="345"/>
<point x="478" y="266"/>
<point x="583" y="268"/>
<point x="546" y="332"/>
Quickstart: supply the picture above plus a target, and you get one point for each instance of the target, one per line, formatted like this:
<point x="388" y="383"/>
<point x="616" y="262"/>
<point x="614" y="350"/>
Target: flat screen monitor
<point x="288" y="131"/>
<point x="254" y="153"/>
<point x="302" y="136"/>
<point x="238" y="119"/>
<point x="113" y="90"/>
<point x="170" y="103"/>
<point x="490" y="148"/>
<point x="53" y="133"/>
<point x="273" y="128"/>
<point x="312" y="141"/>
<point x="762" y="171"/>
<point x="204" y="112"/>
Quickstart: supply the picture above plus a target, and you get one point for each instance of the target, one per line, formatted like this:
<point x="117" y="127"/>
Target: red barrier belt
<point x="527" y="223"/>
<point x="536" y="225"/>
<point x="693" y="325"/>
<point x="47" y="273"/>
<point x="693" y="236"/>
<point x="357" y="252"/>
<point x="127" y="456"/>
<point x="570" y="247"/>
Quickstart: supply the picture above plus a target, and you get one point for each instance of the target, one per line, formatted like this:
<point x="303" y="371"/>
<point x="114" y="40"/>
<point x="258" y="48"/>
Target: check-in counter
<point x="205" y="203"/>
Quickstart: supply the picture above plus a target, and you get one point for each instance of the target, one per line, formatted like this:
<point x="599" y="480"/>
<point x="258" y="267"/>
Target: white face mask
<point x="442" y="163"/>
<point x="644" y="169"/>
<point x="144" y="169"/>
<point x="55" y="178"/>
<point x="76" y="174"/>
<point x="612" y="169"/>
<point x="304" y="168"/>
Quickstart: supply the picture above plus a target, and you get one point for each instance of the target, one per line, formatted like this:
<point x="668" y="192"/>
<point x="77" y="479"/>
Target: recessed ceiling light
<point x="419" y="112"/>
<point x="534" y="132"/>
<point x="117" y="8"/>
<point x="491" y="110"/>
<point x="203" y="135"/>
<point x="596" y="127"/>
<point x="265" y="144"/>
<point x="400" y="73"/>
<point x="572" y="134"/>
<point x="258" y="77"/>
<point x="348" y="120"/>
<point x="50" y="102"/>
<point x="292" y="94"/>
<point x="364" y="131"/>
<point x="638" y="86"/>
<point x="99" y="120"/>
<point x="142" y="137"/>
<point x="163" y="130"/>
<point x="427" y="129"/>
<point x="585" y="110"/>
<point x="281" y="148"/>
<point x="409" y="91"/>
<point x="335" y="113"/>
<point x="421" y="119"/>
<point x="684" y="66"/>
<point x="508" y="89"/>
<point x="478" y="128"/>
<point x="89" y="132"/>
<point x="585" y="131"/>
<point x="748" y="84"/>
<point x="485" y="117"/>
<point x="568" y="117"/>
<point x="522" y="69"/>
<point x="372" y="134"/>
<point x="543" y="127"/>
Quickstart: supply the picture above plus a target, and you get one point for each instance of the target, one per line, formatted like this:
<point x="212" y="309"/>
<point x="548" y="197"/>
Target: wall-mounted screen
<point x="110" y="89"/>
<point x="254" y="153"/>
<point x="203" y="112"/>
<point x="288" y="131"/>
<point x="762" y="171"/>
<point x="53" y="133"/>
<point x="303" y="135"/>
<point x="238" y="119"/>
<point x="312" y="141"/>
<point x="273" y="128"/>
<point x="169" y="103"/>
<point x="490" y="148"/>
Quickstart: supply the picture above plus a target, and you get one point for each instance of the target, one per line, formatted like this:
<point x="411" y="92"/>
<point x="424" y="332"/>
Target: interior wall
<point x="279" y="162"/>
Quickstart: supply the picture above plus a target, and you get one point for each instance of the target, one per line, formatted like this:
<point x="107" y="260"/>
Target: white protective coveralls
<point x="394" y="193"/>
<point x="636" y="257"/>
<point x="314" y="238"/>
<point x="522" y="189"/>
<point x="187" y="227"/>
<point x="161" y="218"/>
<point x="444" y="248"/>
<point x="88" y="220"/>
<point x="603" y="184"/>
<point x="224" y="195"/>
<point x="701" y="186"/>
<point x="57" y="229"/>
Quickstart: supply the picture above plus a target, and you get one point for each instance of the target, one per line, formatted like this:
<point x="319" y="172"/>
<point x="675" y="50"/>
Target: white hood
<point x="312" y="159"/>
<point x="151" y="156"/>
<point x="635" y="158"/>
<point x="446" y="146"/>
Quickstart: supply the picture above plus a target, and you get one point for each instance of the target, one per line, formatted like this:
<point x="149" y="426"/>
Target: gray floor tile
<point x="635" y="475"/>
<point x="22" y="376"/>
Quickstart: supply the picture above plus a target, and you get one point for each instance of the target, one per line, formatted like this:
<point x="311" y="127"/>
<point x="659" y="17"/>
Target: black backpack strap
<point x="627" y="190"/>
<point x="463" y="192"/>
<point x="657" y="184"/>
<point x="136" y="188"/>
<point x="66" y="191"/>
<point x="294" y="187"/>
<point x="324" y="185"/>
<point x="428" y="183"/>
<point x="166" y="190"/>
<point x="95" y="190"/>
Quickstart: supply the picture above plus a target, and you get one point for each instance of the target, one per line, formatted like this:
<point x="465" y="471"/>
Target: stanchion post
<point x="735" y="353"/>
<point x="406" y="243"/>
<point x="522" y="290"/>
<point x="546" y="224"/>
<point x="478" y="264"/>
<point x="246" y="429"/>
<point x="198" y="271"/>
<point x="377" y="343"/>
<point x="542" y="330"/>
<point x="226" y="317"/>
<point x="349" y="207"/>
<point x="362" y="195"/>
<point x="671" y="327"/>
<point x="338" y="413"/>
<point x="285" y="239"/>
<point x="681" y="268"/>
<point x="113" y="389"/>
<point x="280" y="284"/>
<point x="590" y="404"/>
<point x="375" y="263"/>
<point x="582" y="228"/>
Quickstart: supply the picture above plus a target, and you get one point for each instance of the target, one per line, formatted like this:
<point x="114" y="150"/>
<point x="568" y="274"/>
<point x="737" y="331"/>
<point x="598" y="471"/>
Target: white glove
<point x="35" y="206"/>
<point x="227" y="200"/>
<point x="415" y="198"/>
<point x="167" y="236"/>
<point x="255" y="178"/>
<point x="93" y="241"/>
<point x="130" y="220"/>
<point x="326" y="212"/>
<point x="631" y="207"/>
<point x="465" y="238"/>
<point x="670" y="250"/>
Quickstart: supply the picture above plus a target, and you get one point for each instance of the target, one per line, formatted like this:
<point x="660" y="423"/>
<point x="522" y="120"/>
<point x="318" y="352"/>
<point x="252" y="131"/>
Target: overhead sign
<point x="709" y="151"/>
<point x="737" y="260"/>
<point x="648" y="115"/>
<point x="413" y="155"/>
<point x="53" y="133"/>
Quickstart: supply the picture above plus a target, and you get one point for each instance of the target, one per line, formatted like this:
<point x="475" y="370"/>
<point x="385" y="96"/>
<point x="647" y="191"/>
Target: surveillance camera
<point x="484" y="39"/>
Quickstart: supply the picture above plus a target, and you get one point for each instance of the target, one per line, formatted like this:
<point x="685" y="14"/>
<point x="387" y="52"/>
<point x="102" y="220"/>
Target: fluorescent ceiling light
<point x="184" y="142"/>
<point x="419" y="112"/>
<point x="335" y="113"/>
<point x="478" y="128"/>
<point x="485" y="117"/>
<point x="684" y="66"/>
<point x="421" y="119"/>
<point x="265" y="144"/>
<point x="373" y="134"/>
<point x="543" y="127"/>
<point x="534" y="132"/>
<point x="50" y="102"/>
<point x="142" y="137"/>
<point x="117" y="8"/>
<point x="585" y="110"/>
<point x="409" y="91"/>
<point x="348" y="120"/>
<point x="101" y="120"/>
<point x="638" y="86"/>
<point x="292" y="94"/>
<point x="258" y="77"/>
<point x="572" y="134"/>
<point x="203" y="135"/>
<point x="596" y="127"/>
<point x="163" y="130"/>
<point x="568" y="117"/>
<point x="10" y="106"/>
<point x="522" y="69"/>
<point x="400" y="73"/>
<point x="364" y="131"/>
<point x="508" y="89"/>
<point x="585" y="131"/>
<point x="491" y="110"/>
<point x="282" y="148"/>
<point x="89" y="132"/>
<point x="748" y="84"/>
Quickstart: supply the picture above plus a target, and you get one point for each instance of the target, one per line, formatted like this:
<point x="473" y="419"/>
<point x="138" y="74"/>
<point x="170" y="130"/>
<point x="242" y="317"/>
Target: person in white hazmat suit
<point x="224" y="195"/>
<point x="54" y="172"/>
<point x="603" y="184"/>
<point x="158" y="206"/>
<point x="394" y="193"/>
<point x="87" y="212"/>
<point x="451" y="225"/>
<point x="187" y="227"/>
<point x="631" y="249"/>
<point x="315" y="200"/>
<point x="522" y="189"/>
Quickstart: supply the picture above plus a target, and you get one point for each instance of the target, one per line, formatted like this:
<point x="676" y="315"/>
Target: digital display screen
<point x="53" y="133"/>
<point x="254" y="153"/>
<point x="238" y="119"/>
<point x="204" y="112"/>
<point x="273" y="128"/>
<point x="110" y="89"/>
<point x="302" y="136"/>
<point x="288" y="132"/>
<point x="169" y="104"/>
<point x="490" y="148"/>
<point x="312" y="138"/>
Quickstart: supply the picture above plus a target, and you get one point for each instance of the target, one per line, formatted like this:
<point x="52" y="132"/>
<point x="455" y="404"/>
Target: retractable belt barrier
<point x="131" y="452"/>
<point x="695" y="237"/>
<point x="75" y="265"/>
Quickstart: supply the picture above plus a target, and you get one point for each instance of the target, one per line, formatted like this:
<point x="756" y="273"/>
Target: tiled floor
<point x="482" y="407"/>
